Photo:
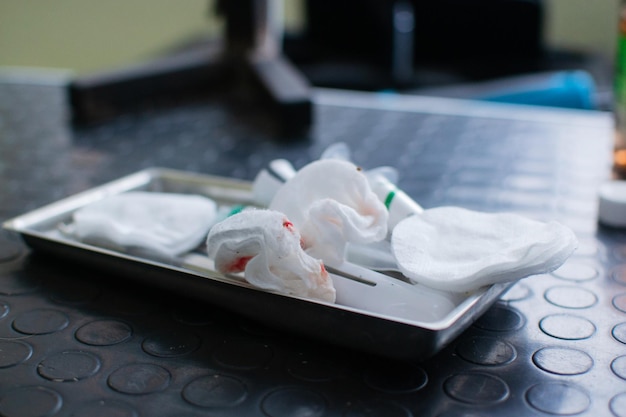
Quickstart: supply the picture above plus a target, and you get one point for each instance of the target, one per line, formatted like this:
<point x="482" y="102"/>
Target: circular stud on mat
<point x="69" y="366"/>
<point x="558" y="398"/>
<point x="215" y="391"/>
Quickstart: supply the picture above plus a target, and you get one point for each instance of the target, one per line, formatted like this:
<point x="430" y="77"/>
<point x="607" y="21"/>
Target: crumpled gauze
<point x="163" y="224"/>
<point x="458" y="250"/>
<point x="330" y="201"/>
<point x="265" y="245"/>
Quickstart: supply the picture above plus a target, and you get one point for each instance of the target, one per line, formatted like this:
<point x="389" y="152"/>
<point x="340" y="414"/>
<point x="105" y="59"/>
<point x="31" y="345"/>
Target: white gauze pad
<point x="330" y="201"/>
<point x="164" y="224"/>
<point x="458" y="250"/>
<point x="265" y="245"/>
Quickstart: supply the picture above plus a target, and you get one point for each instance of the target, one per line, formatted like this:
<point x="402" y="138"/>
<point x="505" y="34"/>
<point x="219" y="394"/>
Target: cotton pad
<point x="161" y="224"/>
<point x="266" y="246"/>
<point x="330" y="201"/>
<point x="454" y="249"/>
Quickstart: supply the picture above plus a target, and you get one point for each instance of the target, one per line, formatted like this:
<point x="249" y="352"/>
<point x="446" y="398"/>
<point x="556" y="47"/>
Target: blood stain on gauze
<point x="330" y="201"/>
<point x="266" y="246"/>
<point x="458" y="250"/>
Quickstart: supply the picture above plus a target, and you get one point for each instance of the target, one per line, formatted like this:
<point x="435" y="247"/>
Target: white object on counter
<point x="612" y="205"/>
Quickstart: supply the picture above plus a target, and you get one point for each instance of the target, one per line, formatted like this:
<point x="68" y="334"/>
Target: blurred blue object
<point x="569" y="89"/>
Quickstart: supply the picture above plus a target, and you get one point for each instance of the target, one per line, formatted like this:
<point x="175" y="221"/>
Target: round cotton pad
<point x="161" y="224"/>
<point x="458" y="250"/>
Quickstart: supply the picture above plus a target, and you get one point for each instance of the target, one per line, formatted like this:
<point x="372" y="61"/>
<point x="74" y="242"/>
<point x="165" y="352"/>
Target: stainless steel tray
<point x="356" y="328"/>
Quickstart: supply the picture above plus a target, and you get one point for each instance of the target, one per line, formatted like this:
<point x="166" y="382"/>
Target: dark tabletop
<point x="79" y="341"/>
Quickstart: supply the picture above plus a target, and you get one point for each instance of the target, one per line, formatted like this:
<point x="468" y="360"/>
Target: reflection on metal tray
<point x="395" y="336"/>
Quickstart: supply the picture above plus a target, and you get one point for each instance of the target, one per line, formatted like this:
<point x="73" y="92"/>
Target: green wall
<point x="89" y="35"/>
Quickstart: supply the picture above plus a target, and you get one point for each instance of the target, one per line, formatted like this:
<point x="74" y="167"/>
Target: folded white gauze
<point x="162" y="224"/>
<point x="330" y="201"/>
<point x="454" y="249"/>
<point x="266" y="246"/>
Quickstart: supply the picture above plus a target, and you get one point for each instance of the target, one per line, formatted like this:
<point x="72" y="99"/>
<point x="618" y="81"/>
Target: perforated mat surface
<point x="78" y="341"/>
